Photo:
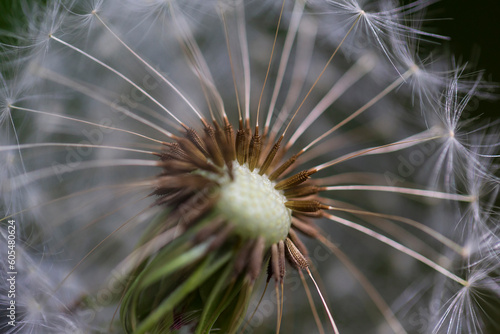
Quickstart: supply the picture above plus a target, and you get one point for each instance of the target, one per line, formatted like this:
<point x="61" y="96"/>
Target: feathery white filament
<point x="94" y="59"/>
<point x="149" y="66"/>
<point x="399" y="247"/>
<point x="408" y="191"/>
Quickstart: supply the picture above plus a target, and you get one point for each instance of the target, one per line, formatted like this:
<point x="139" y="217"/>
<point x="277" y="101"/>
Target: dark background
<point x="473" y="25"/>
<point x="474" y="29"/>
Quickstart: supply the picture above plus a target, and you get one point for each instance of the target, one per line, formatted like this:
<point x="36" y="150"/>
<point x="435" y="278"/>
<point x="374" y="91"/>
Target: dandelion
<point x="224" y="166"/>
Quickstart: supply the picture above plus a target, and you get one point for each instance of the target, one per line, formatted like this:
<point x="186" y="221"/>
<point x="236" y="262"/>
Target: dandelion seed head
<point x="169" y="152"/>
<point x="254" y="206"/>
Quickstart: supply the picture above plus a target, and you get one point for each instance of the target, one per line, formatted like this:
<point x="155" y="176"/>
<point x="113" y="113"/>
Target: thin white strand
<point x="424" y="228"/>
<point x="99" y="244"/>
<point x="285" y="55"/>
<point x="321" y="74"/>
<point x="408" y="142"/>
<point x="168" y="82"/>
<point x="363" y="66"/>
<point x="269" y="64"/>
<point x="384" y="149"/>
<point x="364" y="152"/>
<point x="35" y="145"/>
<point x="311" y="303"/>
<point x="398" y="246"/>
<point x="98" y="94"/>
<point x="372" y="292"/>
<point x="87" y="122"/>
<point x="233" y="74"/>
<point x="120" y="75"/>
<point x="370" y="103"/>
<point x="118" y="196"/>
<point x="438" y="165"/>
<point x="332" y="322"/>
<point x="377" y="37"/>
<point x="245" y="56"/>
<point x="456" y="302"/>
<point x="24" y="179"/>
<point x="199" y="64"/>
<point x="408" y="191"/>
<point x="306" y="38"/>
<point x="144" y="251"/>
<point x="489" y="155"/>
<point x="449" y="177"/>
<point x="81" y="192"/>
<point x="17" y="140"/>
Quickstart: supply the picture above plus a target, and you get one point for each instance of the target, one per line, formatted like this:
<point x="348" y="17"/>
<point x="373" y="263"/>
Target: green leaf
<point x="214" y="300"/>
<point x="183" y="260"/>
<point x="200" y="275"/>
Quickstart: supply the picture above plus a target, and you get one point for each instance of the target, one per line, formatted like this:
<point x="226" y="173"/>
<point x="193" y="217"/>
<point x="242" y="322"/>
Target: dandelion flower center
<point x="254" y="206"/>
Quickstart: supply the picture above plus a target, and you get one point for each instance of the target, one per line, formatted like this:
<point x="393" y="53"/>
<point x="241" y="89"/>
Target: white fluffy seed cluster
<point x="253" y="206"/>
